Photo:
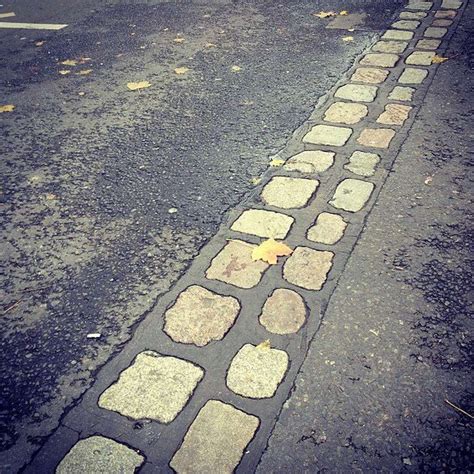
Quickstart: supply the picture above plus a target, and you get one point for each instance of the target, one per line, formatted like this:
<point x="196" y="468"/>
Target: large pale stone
<point x="328" y="135"/>
<point x="352" y="195"/>
<point x="376" y="137"/>
<point x="428" y="44"/>
<point x="234" y="265"/>
<point x="380" y="59"/>
<point x="216" y="440"/>
<point x="402" y="93"/>
<point x="329" y="229"/>
<point x="289" y="193"/>
<point x="154" y="387"/>
<point x="435" y="32"/>
<point x="445" y="14"/>
<point x="451" y="4"/>
<point x="308" y="268"/>
<point x="284" y="312"/>
<point x="200" y="316"/>
<point x="263" y="223"/>
<point x="310" y="161"/>
<point x="362" y="163"/>
<point x="406" y="25"/>
<point x="394" y="114"/>
<point x="256" y="372"/>
<point x="419" y="5"/>
<point x="390" y="46"/>
<point x="357" y="93"/>
<point x="412" y="15"/>
<point x="420" y="58"/>
<point x="413" y="76"/>
<point x="400" y="35"/>
<point x="442" y="22"/>
<point x="345" y="112"/>
<point x="370" y="75"/>
<point x="99" y="454"/>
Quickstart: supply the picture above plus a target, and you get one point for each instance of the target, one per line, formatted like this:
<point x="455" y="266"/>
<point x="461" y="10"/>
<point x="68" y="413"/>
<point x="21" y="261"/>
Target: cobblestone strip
<point x="200" y="385"/>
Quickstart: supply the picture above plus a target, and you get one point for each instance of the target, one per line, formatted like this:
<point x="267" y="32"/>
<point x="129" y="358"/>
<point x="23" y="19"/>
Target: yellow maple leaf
<point x="325" y="14"/>
<point x="438" y="59"/>
<point x="7" y="108"/>
<point x="264" y="345"/>
<point x="85" y="72"/>
<point x="133" y="86"/>
<point x="181" y="70"/>
<point x="348" y="38"/>
<point x="276" y="162"/>
<point x="269" y="250"/>
<point x="344" y="13"/>
<point x="69" y="62"/>
<point x="236" y="68"/>
<point x="178" y="40"/>
<point x="64" y="72"/>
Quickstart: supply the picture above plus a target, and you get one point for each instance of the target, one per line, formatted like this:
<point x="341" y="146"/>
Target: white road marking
<point x="31" y="26"/>
<point x="6" y="15"/>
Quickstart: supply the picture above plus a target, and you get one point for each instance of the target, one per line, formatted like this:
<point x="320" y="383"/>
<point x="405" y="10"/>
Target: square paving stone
<point x="390" y="47"/>
<point x="289" y="193"/>
<point x="328" y="230"/>
<point x="406" y="24"/>
<point x="352" y="195"/>
<point x="370" y="75"/>
<point x="357" y="93"/>
<point x="256" y="372"/>
<point x="234" y="265"/>
<point x="200" y="316"/>
<point x="451" y="4"/>
<point x="328" y="135"/>
<point x="284" y="312"/>
<point x="216" y="440"/>
<point x="308" y="268"/>
<point x="376" y="137"/>
<point x="346" y="112"/>
<point x="100" y="455"/>
<point x="419" y="5"/>
<point x="380" y="59"/>
<point x="428" y="44"/>
<point x="394" y="114"/>
<point x="445" y="14"/>
<point x="435" y="32"/>
<point x="400" y="35"/>
<point x="412" y="15"/>
<point x="402" y="93"/>
<point x="263" y="223"/>
<point x="413" y="76"/>
<point x="154" y="387"/>
<point x="310" y="161"/>
<point x="363" y="163"/>
<point x="442" y="22"/>
<point x="420" y="58"/>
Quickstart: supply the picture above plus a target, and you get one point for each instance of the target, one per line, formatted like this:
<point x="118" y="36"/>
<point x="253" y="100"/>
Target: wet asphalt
<point x="108" y="194"/>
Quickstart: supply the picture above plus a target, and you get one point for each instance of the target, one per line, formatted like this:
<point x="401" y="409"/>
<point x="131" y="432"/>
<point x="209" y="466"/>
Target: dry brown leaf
<point x="69" y="62"/>
<point x="325" y="14"/>
<point x="133" y="86"/>
<point x="181" y="70"/>
<point x="64" y="72"/>
<point x="85" y="72"/>
<point x="276" y="162"/>
<point x="7" y="108"/>
<point x="438" y="59"/>
<point x="179" y="40"/>
<point x="269" y="250"/>
<point x="348" y="38"/>
<point x="236" y="69"/>
<point x="264" y="345"/>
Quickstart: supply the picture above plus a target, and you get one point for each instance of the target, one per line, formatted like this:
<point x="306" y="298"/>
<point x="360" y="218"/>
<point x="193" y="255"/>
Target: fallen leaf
<point x="269" y="250"/>
<point x="178" y="40"/>
<point x="210" y="45"/>
<point x="438" y="59"/>
<point x="94" y="335"/>
<point x="264" y="345"/>
<point x="69" y="62"/>
<point x="351" y="29"/>
<point x="348" y="38"/>
<point x="85" y="72"/>
<point x="84" y="60"/>
<point x="51" y="196"/>
<point x="40" y="43"/>
<point x="81" y="93"/>
<point x="325" y="14"/>
<point x="236" y="69"/>
<point x="7" y="108"/>
<point x="344" y="13"/>
<point x="181" y="70"/>
<point x="276" y="162"/>
<point x="63" y="72"/>
<point x="429" y="180"/>
<point x="256" y="181"/>
<point x="247" y="102"/>
<point x="133" y="86"/>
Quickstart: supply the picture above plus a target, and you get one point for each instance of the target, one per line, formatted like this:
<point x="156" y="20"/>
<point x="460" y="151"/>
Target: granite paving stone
<point x="419" y="5"/>
<point x="328" y="230"/>
<point x="310" y="161"/>
<point x="308" y="268"/>
<point x="370" y="75"/>
<point x="256" y="371"/>
<point x="289" y="193"/>
<point x="346" y="112"/>
<point x="284" y="312"/>
<point x="234" y="265"/>
<point x="435" y="32"/>
<point x="380" y="59"/>
<point x="412" y="15"/>
<point x="328" y="135"/>
<point x="400" y="35"/>
<point x="352" y="194"/>
<point x="451" y="4"/>
<point x="445" y="14"/>
<point x="154" y="387"/>
<point x="376" y="137"/>
<point x="413" y="76"/>
<point x="442" y="22"/>
<point x="216" y="440"/>
<point x="357" y="93"/>
<point x="406" y="24"/>
<point x="200" y="316"/>
<point x="402" y="93"/>
<point x="394" y="114"/>
<point x="363" y="163"/>
<point x="97" y="454"/>
<point x="263" y="223"/>
<point x="428" y="44"/>
<point x="420" y="58"/>
<point x="390" y="46"/>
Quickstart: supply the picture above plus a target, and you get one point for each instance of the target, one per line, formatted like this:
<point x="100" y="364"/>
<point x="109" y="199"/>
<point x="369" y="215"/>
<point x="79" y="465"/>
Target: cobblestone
<point x="99" y="454"/>
<point x="328" y="230"/>
<point x="451" y="4"/>
<point x="428" y="44"/>
<point x="256" y="372"/>
<point x="370" y="75"/>
<point x="420" y="58"/>
<point x="310" y="161"/>
<point x="380" y="59"/>
<point x="363" y="163"/>
<point x="263" y="223"/>
<point x="402" y="93"/>
<point x="442" y="22"/>
<point x="328" y="135"/>
<point x="346" y="112"/>
<point x="435" y="32"/>
<point x="352" y="195"/>
<point x="154" y="387"/>
<point x="289" y="193"/>
<point x="357" y="93"/>
<point x="200" y="316"/>
<point x="390" y="46"/>
<point x="406" y="24"/>
<point x="413" y="76"/>
<point x="308" y="268"/>
<point x="412" y="15"/>
<point x="376" y="137"/>
<point x="234" y="265"/>
<point x="445" y="14"/>
<point x="419" y="5"/>
<point x="284" y="312"/>
<point x="394" y="114"/>
<point x="398" y="35"/>
<point x="216" y="440"/>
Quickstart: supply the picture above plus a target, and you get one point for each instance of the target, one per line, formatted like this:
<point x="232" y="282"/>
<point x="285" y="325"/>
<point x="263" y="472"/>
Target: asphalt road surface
<point x="107" y="194"/>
